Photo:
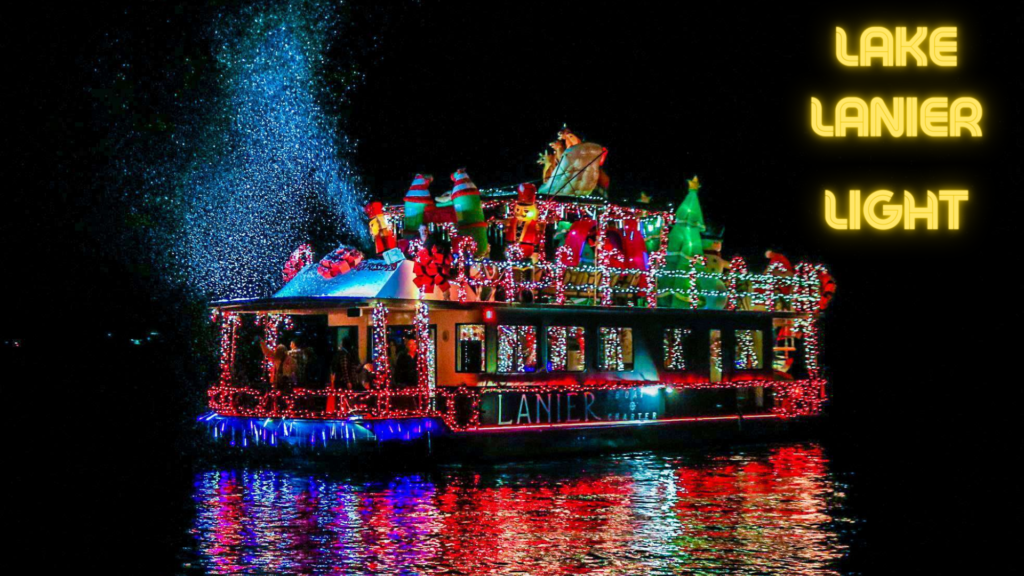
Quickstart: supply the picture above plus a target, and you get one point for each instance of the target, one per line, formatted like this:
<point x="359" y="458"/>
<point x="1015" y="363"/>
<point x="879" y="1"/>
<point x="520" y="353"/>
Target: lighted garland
<point x="604" y="287"/>
<point x="747" y="359"/>
<point x="552" y="276"/>
<point x="464" y="248"/>
<point x="675" y="347"/>
<point x="562" y="258"/>
<point x="251" y="403"/>
<point x="798" y="398"/>
<point x="737" y="269"/>
<point x="506" y="340"/>
<point x="229" y="324"/>
<point x="517" y="348"/>
<point x="272" y="324"/>
<point x="775" y="271"/>
<point x="792" y="398"/>
<point x="808" y="328"/>
<point x="696" y="263"/>
<point x="509" y="281"/>
<point x="425" y="355"/>
<point x="655" y="264"/>
<point x="557" y="349"/>
<point x="716" y="355"/>
<point x="765" y="288"/>
<point x="611" y="350"/>
<point x="381" y="368"/>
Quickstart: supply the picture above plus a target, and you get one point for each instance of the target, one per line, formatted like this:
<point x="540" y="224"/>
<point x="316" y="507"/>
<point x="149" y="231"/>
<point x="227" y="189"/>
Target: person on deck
<point x="405" y="365"/>
<point x="364" y="377"/>
<point x="276" y="357"/>
<point x="290" y="366"/>
<point x="343" y="367"/>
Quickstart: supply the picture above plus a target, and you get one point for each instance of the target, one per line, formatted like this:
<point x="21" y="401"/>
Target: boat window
<point x="517" y="349"/>
<point x="349" y="337"/>
<point x="471" y="348"/>
<point x="784" y="345"/>
<point x="566" y="345"/>
<point x="675" y="342"/>
<point x="615" y="349"/>
<point x="748" y="350"/>
<point x="716" y="355"/>
<point x="401" y="376"/>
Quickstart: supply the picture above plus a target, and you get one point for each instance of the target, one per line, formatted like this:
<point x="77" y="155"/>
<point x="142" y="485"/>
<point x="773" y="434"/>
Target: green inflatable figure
<point x="684" y="242"/>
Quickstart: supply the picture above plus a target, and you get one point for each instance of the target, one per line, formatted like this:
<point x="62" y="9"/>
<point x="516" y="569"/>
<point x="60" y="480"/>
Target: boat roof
<point x="370" y="279"/>
<point x="323" y="304"/>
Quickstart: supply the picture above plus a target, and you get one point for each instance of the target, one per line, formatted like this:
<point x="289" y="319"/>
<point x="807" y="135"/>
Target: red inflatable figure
<point x="522" y="228"/>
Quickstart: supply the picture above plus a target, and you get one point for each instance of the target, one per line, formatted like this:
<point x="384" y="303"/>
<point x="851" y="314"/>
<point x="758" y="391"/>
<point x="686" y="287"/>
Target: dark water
<point x="766" y="509"/>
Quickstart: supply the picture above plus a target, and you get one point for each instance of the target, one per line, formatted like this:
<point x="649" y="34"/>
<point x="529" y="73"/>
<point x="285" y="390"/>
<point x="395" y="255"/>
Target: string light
<point x="272" y="324"/>
<point x="675" y="342"/>
<point x="792" y="398"/>
<point x="425" y="356"/>
<point x="381" y="368"/>
<point x="746" y="353"/>
<point x="558" y="346"/>
<point x="229" y="324"/>
<point x="517" y="349"/>
<point x="611" y="353"/>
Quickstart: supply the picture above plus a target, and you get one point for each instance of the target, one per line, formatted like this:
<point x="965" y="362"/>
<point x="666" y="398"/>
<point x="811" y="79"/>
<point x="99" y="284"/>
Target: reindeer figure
<point x="550" y="160"/>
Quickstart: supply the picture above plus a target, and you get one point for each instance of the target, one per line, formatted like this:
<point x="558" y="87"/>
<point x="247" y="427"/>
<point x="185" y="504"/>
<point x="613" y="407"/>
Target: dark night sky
<point x="913" y="338"/>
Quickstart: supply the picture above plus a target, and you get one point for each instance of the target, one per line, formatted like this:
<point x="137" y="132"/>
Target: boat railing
<point x="458" y="406"/>
<point x="260" y="401"/>
<point x="735" y="287"/>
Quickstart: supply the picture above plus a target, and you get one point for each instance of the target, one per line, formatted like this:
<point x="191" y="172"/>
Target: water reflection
<point x="769" y="509"/>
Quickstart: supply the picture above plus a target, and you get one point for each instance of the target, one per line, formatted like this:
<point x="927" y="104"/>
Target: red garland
<point x="432" y="268"/>
<point x="300" y="258"/>
<point x="339" y="262"/>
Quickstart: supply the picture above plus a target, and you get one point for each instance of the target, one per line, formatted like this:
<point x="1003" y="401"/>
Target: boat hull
<point x="430" y="439"/>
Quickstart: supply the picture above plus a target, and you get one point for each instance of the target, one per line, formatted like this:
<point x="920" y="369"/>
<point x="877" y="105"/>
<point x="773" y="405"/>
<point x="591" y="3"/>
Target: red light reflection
<point x="771" y="509"/>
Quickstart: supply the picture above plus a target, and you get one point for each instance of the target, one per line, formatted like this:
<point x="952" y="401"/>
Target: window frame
<point x="458" y="341"/>
<point x="599" y="350"/>
<point x="583" y="352"/>
<point x="758" y="351"/>
<point x="687" y="348"/>
<point x="432" y="330"/>
<point x="536" y="351"/>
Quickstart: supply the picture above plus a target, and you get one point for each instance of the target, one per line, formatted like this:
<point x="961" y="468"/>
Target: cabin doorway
<point x="396" y="337"/>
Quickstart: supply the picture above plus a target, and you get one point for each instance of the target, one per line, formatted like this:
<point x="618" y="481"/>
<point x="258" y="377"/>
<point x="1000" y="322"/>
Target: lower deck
<point x="509" y="368"/>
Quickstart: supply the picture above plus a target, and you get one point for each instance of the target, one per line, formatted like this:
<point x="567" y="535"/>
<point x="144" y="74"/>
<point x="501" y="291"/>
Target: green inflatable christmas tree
<point x="684" y="242"/>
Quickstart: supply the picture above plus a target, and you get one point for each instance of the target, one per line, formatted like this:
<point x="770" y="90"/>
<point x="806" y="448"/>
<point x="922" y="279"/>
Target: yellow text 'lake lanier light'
<point x="899" y="117"/>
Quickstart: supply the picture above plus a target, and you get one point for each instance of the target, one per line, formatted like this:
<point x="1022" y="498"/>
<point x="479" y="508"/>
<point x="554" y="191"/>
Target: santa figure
<point x="523" y="228"/>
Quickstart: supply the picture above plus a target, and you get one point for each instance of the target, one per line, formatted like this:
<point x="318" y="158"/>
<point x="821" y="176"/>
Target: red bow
<point x="432" y="268"/>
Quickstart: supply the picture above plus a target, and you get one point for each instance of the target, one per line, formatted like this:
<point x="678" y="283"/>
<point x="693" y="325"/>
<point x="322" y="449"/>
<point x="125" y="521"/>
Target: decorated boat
<point x="527" y="319"/>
